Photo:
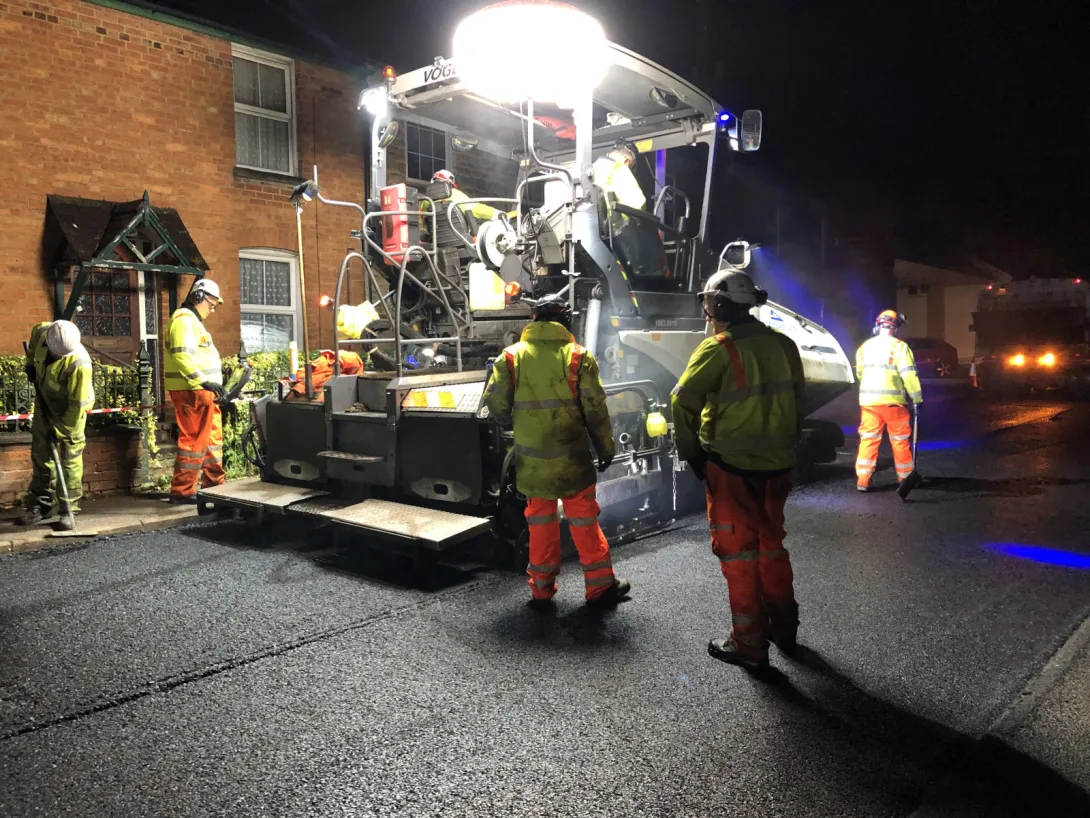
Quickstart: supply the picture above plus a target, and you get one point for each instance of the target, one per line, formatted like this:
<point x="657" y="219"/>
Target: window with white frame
<point x="269" y="299"/>
<point x="425" y="151"/>
<point x="264" y="111"/>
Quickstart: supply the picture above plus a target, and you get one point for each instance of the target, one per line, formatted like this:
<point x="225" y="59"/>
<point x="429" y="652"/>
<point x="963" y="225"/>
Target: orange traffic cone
<point x="972" y="376"/>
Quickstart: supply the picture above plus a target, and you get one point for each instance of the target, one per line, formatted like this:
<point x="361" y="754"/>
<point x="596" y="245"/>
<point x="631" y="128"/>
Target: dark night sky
<point x="975" y="109"/>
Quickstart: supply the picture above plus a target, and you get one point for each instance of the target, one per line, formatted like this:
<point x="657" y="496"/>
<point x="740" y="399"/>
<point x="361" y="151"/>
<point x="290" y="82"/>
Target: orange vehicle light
<point x="1017" y="360"/>
<point x="1048" y="359"/>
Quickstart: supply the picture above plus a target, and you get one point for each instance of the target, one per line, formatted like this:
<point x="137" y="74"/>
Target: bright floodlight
<point x="374" y="100"/>
<point x="562" y="53"/>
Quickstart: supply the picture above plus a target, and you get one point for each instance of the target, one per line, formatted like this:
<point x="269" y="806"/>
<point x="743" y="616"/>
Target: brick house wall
<point x="103" y="104"/>
<point x="110" y="461"/>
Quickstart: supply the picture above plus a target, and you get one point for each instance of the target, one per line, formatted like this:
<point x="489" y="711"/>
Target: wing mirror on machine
<point x="736" y="254"/>
<point x="751" y="130"/>
<point x="388" y="134"/>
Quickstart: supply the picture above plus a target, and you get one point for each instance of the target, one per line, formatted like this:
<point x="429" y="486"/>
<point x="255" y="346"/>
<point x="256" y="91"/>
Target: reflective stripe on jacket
<point x="482" y="211"/>
<point x="742" y="398"/>
<point x="191" y="357"/>
<point x="886" y="369"/>
<point x="549" y="388"/>
<point x="66" y="385"/>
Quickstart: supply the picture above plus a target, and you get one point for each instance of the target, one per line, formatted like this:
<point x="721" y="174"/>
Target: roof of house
<point x="77" y="230"/>
<point x="283" y="26"/>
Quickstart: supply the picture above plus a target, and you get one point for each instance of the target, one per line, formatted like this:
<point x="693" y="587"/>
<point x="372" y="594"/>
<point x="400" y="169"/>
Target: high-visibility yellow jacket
<point x="191" y="357"/>
<point x="549" y="388"/>
<point x="886" y="369"/>
<point x="741" y="400"/>
<point x="66" y="386"/>
<point x="482" y="211"/>
<point x="617" y="178"/>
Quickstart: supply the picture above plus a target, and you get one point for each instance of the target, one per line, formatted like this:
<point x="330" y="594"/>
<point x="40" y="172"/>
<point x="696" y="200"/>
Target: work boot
<point x="32" y="516"/>
<point x="863" y="487"/>
<point x="788" y="643"/>
<point x="541" y="605"/>
<point x="183" y="499"/>
<point x="724" y="651"/>
<point x="67" y="522"/>
<point x="614" y="593"/>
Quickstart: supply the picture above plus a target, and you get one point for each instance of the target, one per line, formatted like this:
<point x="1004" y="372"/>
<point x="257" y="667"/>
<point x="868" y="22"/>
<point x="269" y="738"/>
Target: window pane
<point x="267" y="333"/>
<point x="274" y="145"/>
<point x="84" y="324"/>
<point x="102" y="305"/>
<point x="123" y="326"/>
<point x="121" y="305"/>
<point x="103" y="327"/>
<point x="247" y="141"/>
<point x="413" y="169"/>
<point x="277" y="284"/>
<point x="245" y="73"/>
<point x="252" y="279"/>
<point x="412" y="138"/>
<point x="280" y="327"/>
<point x="273" y="88"/>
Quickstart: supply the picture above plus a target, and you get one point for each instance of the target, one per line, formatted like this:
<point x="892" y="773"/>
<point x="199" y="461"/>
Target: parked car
<point x="934" y="357"/>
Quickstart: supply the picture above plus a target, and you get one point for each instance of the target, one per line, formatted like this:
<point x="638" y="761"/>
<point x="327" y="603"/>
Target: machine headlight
<point x="1048" y="359"/>
<point x="375" y="100"/>
<point x="1017" y="360"/>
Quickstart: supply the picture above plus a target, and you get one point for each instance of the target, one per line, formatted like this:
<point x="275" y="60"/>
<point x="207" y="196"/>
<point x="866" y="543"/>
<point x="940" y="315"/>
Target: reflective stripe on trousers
<point x="200" y="442"/>
<point x="875" y="420"/>
<point x="746" y="519"/>
<point x="543" y="522"/>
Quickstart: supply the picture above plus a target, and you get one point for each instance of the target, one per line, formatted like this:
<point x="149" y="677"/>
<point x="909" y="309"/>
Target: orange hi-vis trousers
<point x="200" y="442"/>
<point x="898" y="421"/>
<point x="581" y="510"/>
<point x="746" y="519"/>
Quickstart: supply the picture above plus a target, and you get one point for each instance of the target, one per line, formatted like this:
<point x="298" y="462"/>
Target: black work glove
<point x="214" y="388"/>
<point x="604" y="463"/>
<point x="697" y="464"/>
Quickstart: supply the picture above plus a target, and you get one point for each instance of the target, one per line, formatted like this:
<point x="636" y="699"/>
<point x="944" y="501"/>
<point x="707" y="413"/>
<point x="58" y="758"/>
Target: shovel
<point x="914" y="479"/>
<point x="63" y="493"/>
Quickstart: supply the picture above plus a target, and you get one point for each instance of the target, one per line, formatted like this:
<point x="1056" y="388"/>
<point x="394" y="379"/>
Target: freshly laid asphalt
<point x="195" y="672"/>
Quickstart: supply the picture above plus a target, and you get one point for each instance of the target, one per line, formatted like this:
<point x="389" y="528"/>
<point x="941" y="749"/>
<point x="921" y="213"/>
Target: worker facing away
<point x="738" y="412"/>
<point x="194" y="379"/>
<point x="886" y="370"/>
<point x="639" y="246"/>
<point x="549" y="388"/>
<point x="60" y="369"/>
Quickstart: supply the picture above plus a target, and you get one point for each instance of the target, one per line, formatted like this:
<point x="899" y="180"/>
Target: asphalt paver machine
<point x="406" y="449"/>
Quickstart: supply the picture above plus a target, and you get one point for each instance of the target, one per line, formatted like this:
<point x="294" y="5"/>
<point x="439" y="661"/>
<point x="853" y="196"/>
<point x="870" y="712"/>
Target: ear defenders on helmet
<point x="727" y="310"/>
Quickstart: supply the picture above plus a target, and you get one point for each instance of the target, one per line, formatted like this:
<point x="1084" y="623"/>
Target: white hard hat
<point x="62" y="338"/>
<point x="208" y="287"/>
<point x="736" y="286"/>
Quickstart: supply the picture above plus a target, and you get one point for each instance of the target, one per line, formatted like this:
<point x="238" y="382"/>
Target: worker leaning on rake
<point x="60" y="369"/>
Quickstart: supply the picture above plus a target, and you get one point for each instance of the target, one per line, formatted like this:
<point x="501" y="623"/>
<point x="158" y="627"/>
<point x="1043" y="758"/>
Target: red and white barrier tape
<point x="30" y="415"/>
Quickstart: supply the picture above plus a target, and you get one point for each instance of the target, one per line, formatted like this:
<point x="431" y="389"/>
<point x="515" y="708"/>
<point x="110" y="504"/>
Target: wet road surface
<point x="193" y="673"/>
